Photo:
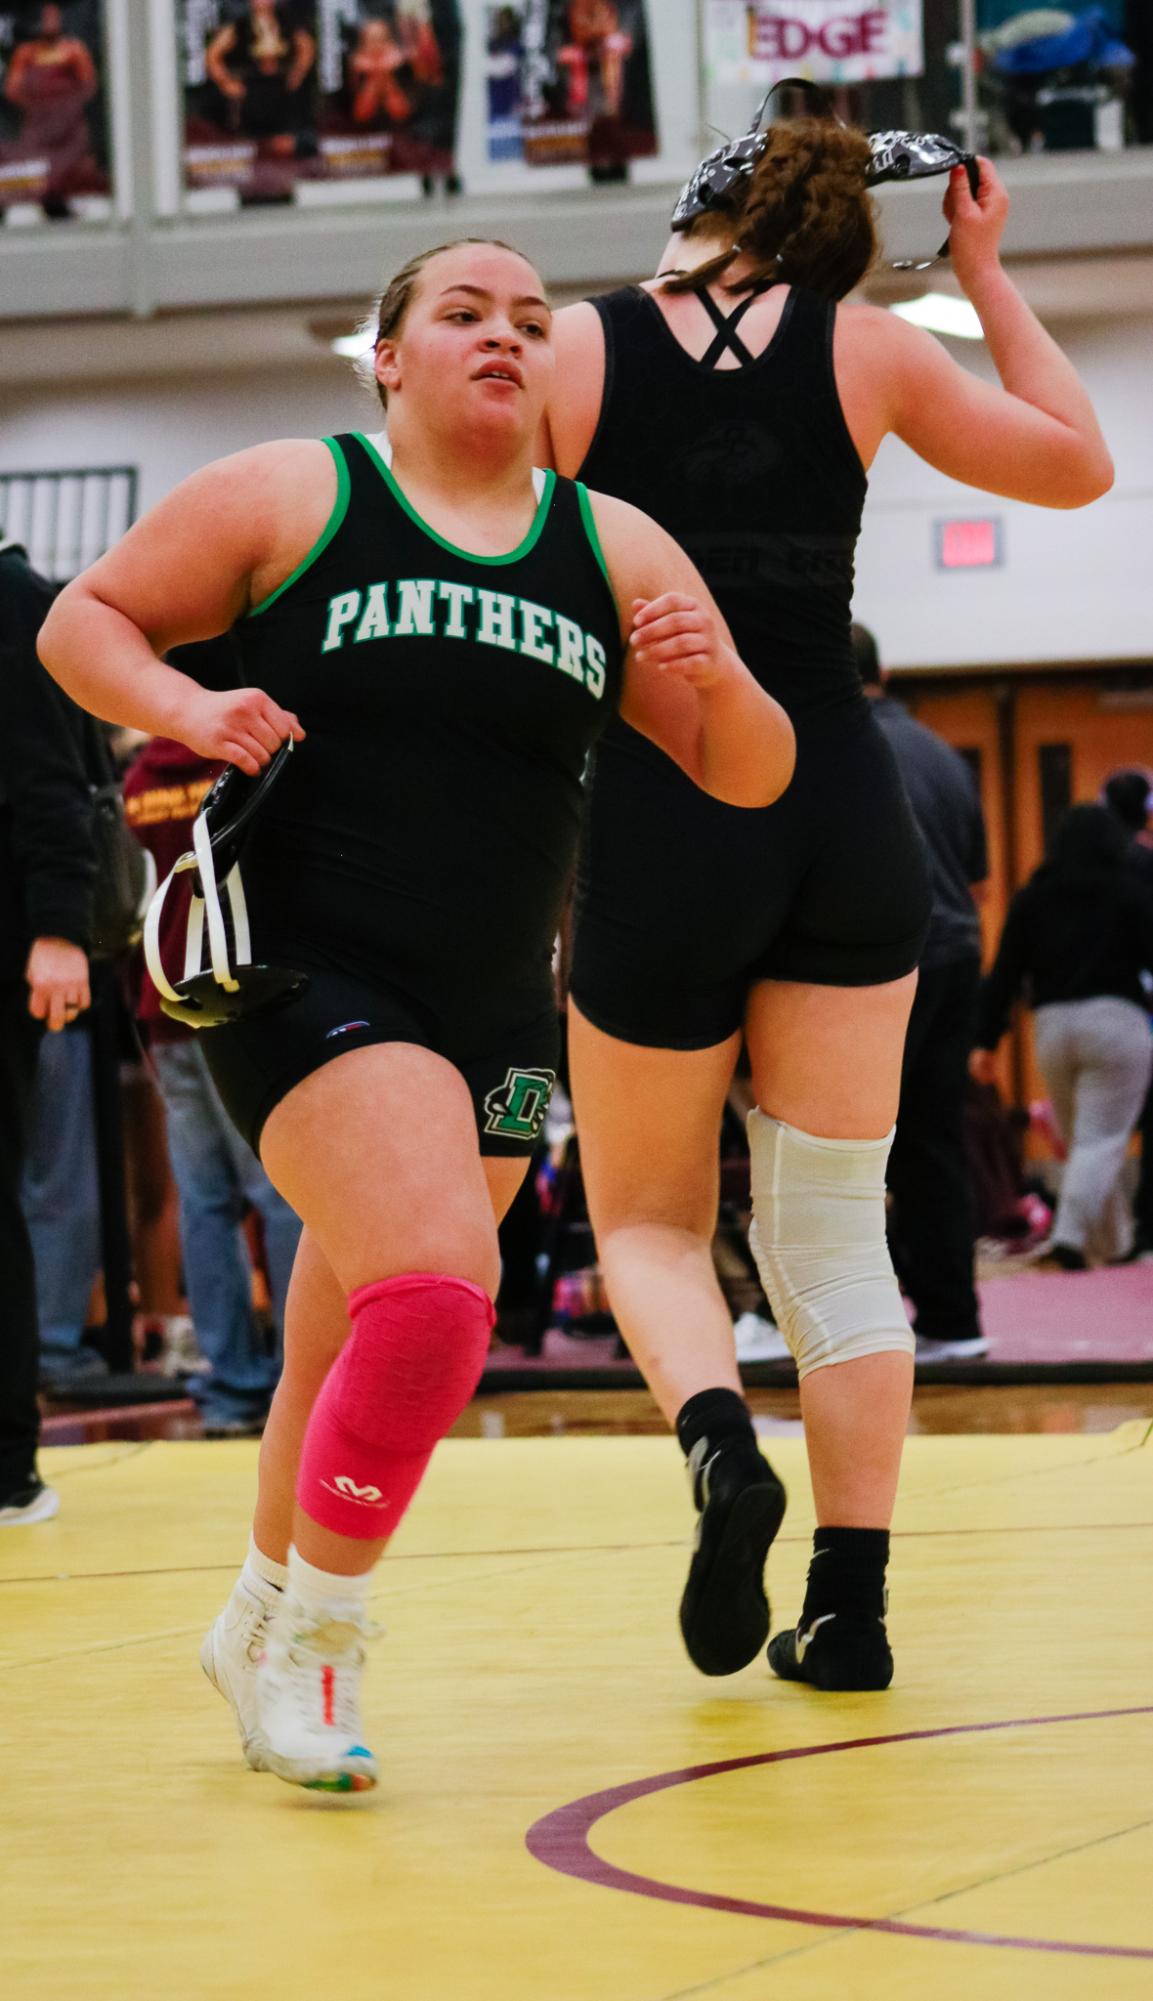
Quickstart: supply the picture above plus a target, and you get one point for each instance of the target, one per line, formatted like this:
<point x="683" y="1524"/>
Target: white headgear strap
<point x="204" y="907"/>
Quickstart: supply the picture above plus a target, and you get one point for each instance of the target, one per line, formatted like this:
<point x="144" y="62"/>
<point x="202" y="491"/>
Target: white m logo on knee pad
<point x="345" y="1485"/>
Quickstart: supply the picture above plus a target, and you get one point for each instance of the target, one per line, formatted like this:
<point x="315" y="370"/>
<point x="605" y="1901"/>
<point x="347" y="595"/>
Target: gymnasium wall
<point x="170" y="425"/>
<point x="1073" y="586"/>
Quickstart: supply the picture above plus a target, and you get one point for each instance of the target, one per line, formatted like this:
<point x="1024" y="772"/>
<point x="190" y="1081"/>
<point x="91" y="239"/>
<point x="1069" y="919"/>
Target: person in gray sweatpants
<point x="1096" y="1057"/>
<point x="1078" y="941"/>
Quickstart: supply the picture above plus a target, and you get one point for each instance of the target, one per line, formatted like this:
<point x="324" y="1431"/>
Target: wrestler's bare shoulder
<point x="263" y="499"/>
<point x="269" y="468"/>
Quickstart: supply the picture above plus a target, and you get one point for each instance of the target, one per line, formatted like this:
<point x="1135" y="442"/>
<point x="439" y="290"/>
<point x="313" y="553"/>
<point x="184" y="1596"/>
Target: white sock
<point x="327" y="1594"/>
<point x="261" y="1575"/>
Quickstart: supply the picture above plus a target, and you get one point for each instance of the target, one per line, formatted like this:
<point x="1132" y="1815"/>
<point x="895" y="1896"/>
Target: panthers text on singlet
<point x="430" y="608"/>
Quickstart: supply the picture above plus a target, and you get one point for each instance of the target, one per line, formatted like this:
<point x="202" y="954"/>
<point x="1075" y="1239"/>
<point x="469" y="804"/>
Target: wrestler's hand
<point x="244" y="726"/>
<point x="975" y="227"/>
<point x="983" y="1066"/>
<point x="678" y="635"/>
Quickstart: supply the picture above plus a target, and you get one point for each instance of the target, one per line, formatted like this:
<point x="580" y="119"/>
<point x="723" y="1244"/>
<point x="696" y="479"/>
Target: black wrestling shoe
<point x="724" y="1610"/>
<point x="1067" y="1257"/>
<point x="835" y="1650"/>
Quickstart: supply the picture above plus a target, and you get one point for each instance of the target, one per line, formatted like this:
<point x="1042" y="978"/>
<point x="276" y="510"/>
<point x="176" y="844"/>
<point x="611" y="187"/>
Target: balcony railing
<point x="66" y="519"/>
<point x="174" y="132"/>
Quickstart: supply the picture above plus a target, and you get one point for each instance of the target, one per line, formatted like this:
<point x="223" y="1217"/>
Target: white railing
<point x="196" y="183"/>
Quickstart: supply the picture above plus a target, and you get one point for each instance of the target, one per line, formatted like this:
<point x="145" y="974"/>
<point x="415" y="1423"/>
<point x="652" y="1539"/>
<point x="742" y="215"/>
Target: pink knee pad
<point x="413" y="1360"/>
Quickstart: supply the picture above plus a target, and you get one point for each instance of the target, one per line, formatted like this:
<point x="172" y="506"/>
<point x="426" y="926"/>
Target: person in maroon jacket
<point x="217" y="1175"/>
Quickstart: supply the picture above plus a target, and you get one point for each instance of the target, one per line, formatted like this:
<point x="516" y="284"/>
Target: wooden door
<point x="1039" y="747"/>
<point x="1068" y="741"/>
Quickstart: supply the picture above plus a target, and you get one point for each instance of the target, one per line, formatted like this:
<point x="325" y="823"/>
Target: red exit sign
<point x="969" y="545"/>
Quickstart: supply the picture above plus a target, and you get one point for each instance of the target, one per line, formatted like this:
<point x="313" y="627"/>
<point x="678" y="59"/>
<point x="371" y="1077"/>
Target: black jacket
<point x="47" y="859"/>
<point x="947" y="810"/>
<point x="1081" y="927"/>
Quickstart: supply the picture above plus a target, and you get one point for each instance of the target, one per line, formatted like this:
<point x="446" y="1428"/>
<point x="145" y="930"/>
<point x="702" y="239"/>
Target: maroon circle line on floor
<point x="561" y="1841"/>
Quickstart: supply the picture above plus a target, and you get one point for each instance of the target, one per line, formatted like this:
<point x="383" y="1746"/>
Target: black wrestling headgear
<point x="230" y="986"/>
<point x="897" y="156"/>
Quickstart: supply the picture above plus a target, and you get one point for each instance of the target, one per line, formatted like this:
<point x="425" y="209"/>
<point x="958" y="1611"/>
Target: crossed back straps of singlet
<point x="727" y="340"/>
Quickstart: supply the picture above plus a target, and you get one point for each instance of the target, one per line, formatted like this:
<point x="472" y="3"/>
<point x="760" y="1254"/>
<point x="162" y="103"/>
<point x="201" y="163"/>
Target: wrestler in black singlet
<point x="414" y="856"/>
<point x="683" y="902"/>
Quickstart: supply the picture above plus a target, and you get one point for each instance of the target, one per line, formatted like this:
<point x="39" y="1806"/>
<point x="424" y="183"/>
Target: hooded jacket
<point x="47" y="853"/>
<point x="1081" y="927"/>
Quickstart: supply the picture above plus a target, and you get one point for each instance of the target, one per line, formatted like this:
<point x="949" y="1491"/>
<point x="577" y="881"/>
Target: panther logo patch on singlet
<point x="425" y="608"/>
<point x="517" y="1107"/>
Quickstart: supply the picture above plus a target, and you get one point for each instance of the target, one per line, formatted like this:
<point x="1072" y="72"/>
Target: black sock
<point x="847" y="1573"/>
<point x="719" y="1421"/>
<point x="721" y="1416"/>
<point x="840" y="1641"/>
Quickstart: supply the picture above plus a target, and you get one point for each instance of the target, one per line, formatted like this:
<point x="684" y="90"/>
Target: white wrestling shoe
<point x="33" y="1502"/>
<point x="308" y="1688"/>
<point x="230" y="1654"/>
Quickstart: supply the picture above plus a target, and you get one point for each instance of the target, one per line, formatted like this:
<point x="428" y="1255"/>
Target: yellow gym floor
<point x="545" y="1829"/>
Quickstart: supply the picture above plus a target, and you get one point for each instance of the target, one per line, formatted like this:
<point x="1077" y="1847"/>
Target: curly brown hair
<point x="806" y="218"/>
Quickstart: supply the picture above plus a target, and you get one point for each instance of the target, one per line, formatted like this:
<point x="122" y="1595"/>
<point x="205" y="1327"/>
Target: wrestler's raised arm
<point x="1035" y="437"/>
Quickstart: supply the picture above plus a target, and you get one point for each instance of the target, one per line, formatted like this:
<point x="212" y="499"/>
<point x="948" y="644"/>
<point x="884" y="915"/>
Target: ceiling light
<point x="940" y="313"/>
<point x="352" y="345"/>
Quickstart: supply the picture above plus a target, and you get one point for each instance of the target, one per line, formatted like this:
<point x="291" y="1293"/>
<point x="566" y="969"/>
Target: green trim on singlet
<point x="589" y="519"/>
<point x="339" y="510"/>
<point x="466" y="555"/>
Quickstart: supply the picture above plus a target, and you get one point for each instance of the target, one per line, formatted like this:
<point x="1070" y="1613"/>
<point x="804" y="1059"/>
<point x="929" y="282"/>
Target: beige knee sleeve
<point x="818" y="1237"/>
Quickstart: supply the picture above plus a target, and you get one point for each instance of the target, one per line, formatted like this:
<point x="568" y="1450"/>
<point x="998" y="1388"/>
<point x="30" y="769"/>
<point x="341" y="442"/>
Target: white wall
<point x="1074" y="586"/>
<point x="170" y="425"/>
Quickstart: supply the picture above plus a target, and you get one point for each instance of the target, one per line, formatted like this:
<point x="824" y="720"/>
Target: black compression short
<point x="509" y="1071"/>
<point x="684" y="903"/>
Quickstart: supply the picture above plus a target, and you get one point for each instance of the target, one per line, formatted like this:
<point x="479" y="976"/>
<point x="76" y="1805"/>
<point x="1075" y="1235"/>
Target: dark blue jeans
<point x="19" y="1411"/>
<point x="216" y="1175"/>
<point x="62" y="1197"/>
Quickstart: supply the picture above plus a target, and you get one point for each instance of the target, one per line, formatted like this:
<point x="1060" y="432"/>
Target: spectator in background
<point x="1129" y="797"/>
<point x="47" y="865"/>
<point x="61" y="1198"/>
<point x="217" y="1175"/>
<point x="932" y="1222"/>
<point x="1078" y="941"/>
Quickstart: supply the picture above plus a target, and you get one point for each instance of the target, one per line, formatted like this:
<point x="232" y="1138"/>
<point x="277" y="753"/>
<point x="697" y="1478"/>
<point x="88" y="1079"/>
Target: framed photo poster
<point x="569" y="82"/>
<point x="54" y="144"/>
<point x="279" y="92"/>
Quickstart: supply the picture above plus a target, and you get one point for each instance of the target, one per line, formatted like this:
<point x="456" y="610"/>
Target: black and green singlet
<point x="420" y="842"/>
